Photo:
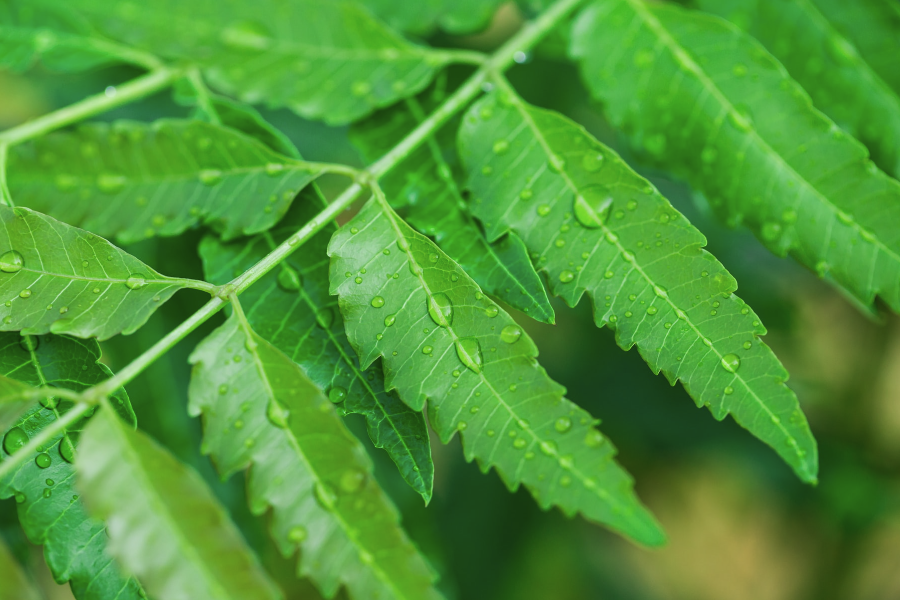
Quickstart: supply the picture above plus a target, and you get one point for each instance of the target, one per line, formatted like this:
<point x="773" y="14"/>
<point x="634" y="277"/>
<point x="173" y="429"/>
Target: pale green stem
<point x="203" y="97"/>
<point x="5" y="198"/>
<point x="529" y="35"/>
<point x="93" y="105"/>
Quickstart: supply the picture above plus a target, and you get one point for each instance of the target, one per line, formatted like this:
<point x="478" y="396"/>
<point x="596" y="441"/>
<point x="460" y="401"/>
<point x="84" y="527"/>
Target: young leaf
<point x="425" y="188"/>
<point x="134" y="180"/>
<point x="16" y="584"/>
<point x="60" y="279"/>
<point x="292" y="309"/>
<point x="808" y="45"/>
<point x="44" y="485"/>
<point x="164" y="523"/>
<point x="444" y="342"/>
<point x="598" y="227"/>
<point x="260" y="409"/>
<point x="709" y="103"/>
<point x="453" y="16"/>
<point x="324" y="59"/>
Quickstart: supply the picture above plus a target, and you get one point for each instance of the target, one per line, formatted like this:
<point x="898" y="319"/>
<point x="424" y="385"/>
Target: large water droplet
<point x="326" y="496"/>
<point x="352" y="480"/>
<point x="289" y="279"/>
<point x="567" y="276"/>
<point x="731" y="362"/>
<point x="135" y="281"/>
<point x="277" y="414"/>
<point x="246" y="35"/>
<point x="297" y="534"/>
<point x="325" y="317"/>
<point x="337" y="394"/>
<point x="511" y="333"/>
<point x="67" y="448"/>
<point x="11" y="262"/>
<point x="501" y="147"/>
<point x="210" y="176"/>
<point x="595" y="216"/>
<point x="377" y="302"/>
<point x="563" y="424"/>
<point x="390" y="320"/>
<point x="29" y="343"/>
<point x="15" y="439"/>
<point x="440" y="309"/>
<point x="43" y="460"/>
<point x="592" y="162"/>
<point x="469" y="352"/>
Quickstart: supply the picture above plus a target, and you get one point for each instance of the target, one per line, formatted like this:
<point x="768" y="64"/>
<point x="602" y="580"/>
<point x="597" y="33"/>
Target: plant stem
<point x="5" y="198"/>
<point x="92" y="105"/>
<point x="204" y="100"/>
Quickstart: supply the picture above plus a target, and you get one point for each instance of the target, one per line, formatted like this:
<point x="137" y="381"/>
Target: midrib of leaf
<point x="162" y="511"/>
<point x="197" y="285"/>
<point x="292" y="440"/>
<point x="392" y="219"/>
<point x="348" y="361"/>
<point x="538" y="134"/>
<point x="683" y="57"/>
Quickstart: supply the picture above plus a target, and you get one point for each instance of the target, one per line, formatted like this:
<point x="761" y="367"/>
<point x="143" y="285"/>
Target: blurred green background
<point x="741" y="526"/>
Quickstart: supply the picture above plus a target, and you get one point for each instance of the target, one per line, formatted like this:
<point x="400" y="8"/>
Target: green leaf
<point x="16" y="584"/>
<point x="444" y="342"/>
<point x="453" y="16"/>
<point x="15" y="398"/>
<point x="707" y="102"/>
<point x="810" y="46"/>
<point x="260" y="409"/>
<point x="424" y="187"/>
<point x="44" y="485"/>
<point x="598" y="227"/>
<point x="292" y="309"/>
<point x="164" y="523"/>
<point x="324" y="59"/>
<point x="134" y="180"/>
<point x="60" y="279"/>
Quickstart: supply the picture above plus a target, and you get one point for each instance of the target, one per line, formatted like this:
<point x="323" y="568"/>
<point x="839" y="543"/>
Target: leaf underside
<point x="61" y="279"/>
<point x="702" y="99"/>
<point x="292" y="309"/>
<point x="596" y="226"/>
<point x="44" y="486"/>
<point x="260" y="410"/>
<point x="164" y="523"/>
<point x="132" y="181"/>
<point x="510" y="414"/>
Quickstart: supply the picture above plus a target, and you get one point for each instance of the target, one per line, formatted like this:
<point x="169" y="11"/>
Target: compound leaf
<point x="44" y="485"/>
<point x="260" y="409"/>
<point x="598" y="227"/>
<point x="453" y="16"/>
<point x="61" y="279"/>
<point x="15" y="398"/>
<point x="164" y="523"/>
<point x="292" y="309"/>
<point x="827" y="65"/>
<point x="134" y="180"/>
<point x="444" y="342"/>
<point x="709" y="103"/>
<point x="423" y="187"/>
<point x="16" y="584"/>
<point x="324" y="59"/>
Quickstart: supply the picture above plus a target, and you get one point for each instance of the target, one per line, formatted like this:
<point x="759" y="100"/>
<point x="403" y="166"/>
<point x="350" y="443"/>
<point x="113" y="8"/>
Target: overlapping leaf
<point x="709" y="103"/>
<point x="292" y="309"/>
<point x="424" y="188"/>
<point x="827" y="65"/>
<point x="134" y="180"/>
<point x="442" y="341"/>
<point x="61" y="279"/>
<point x="424" y="16"/>
<point x="15" y="398"/>
<point x="164" y="523"/>
<point x="598" y="227"/>
<point x="44" y="485"/>
<point x="260" y="410"/>
<point x="16" y="584"/>
<point x="324" y="59"/>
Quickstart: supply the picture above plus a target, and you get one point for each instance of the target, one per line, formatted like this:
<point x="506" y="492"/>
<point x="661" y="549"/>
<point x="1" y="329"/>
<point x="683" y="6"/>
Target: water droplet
<point x="360" y="88"/>
<point x="337" y="394"/>
<point x="297" y="534"/>
<point x="589" y="216"/>
<point x="592" y="162"/>
<point x="358" y="280"/>
<point x="563" y="424"/>
<point x="210" y="176"/>
<point x="274" y="169"/>
<point x="15" y="439"/>
<point x="731" y="362"/>
<point x="593" y="438"/>
<point x="469" y="352"/>
<point x="377" y="302"/>
<point x="440" y="309"/>
<point x="110" y="183"/>
<point x="548" y="447"/>
<point x="461" y="426"/>
<point x="352" y="481"/>
<point x="501" y="147"/>
<point x="277" y="414"/>
<point x="49" y="403"/>
<point x="390" y="320"/>
<point x="652" y="310"/>
<point x="325" y="496"/>
<point x="511" y="333"/>
<point x="728" y="390"/>
<point x="135" y="281"/>
<point x="519" y="443"/>
<point x="11" y="262"/>
<point x="43" y="460"/>
<point x="526" y="194"/>
<point x="47" y="493"/>
<point x="491" y="311"/>
<point x="556" y="163"/>
<point x="567" y="276"/>
<point x="427" y="349"/>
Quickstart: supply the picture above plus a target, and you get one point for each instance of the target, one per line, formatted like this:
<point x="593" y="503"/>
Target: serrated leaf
<point x="261" y="410"/>
<point x="133" y="180"/>
<point x="423" y="17"/>
<point x="164" y="523"/>
<point x="707" y="102"/>
<point x="61" y="279"/>
<point x="44" y="485"/>
<point x="16" y="584"/>
<point x="306" y="325"/>
<point x="809" y="46"/>
<point x="442" y="341"/>
<point x="600" y="228"/>
<point x="424" y="188"/>
<point x="324" y="59"/>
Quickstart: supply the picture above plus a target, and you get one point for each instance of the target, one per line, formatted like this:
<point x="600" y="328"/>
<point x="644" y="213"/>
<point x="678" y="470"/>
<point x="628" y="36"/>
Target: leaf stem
<point x="5" y="198"/>
<point x="204" y="100"/>
<point x="93" y="105"/>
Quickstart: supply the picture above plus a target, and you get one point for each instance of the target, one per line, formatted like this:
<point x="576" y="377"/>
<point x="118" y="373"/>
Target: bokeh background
<point x="741" y="526"/>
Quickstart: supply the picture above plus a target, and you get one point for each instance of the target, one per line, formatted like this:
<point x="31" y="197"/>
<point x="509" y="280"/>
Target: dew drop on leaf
<point x="511" y="333"/>
<point x="43" y="460"/>
<point x="210" y="176"/>
<point x="390" y="320"/>
<point x="491" y="311"/>
<point x="731" y="362"/>
<point x="563" y="424"/>
<point x="135" y="281"/>
<point x="337" y="394"/>
<point x="501" y="147"/>
<point x="592" y="217"/>
<point x="548" y="447"/>
<point x="15" y="438"/>
<point x="11" y="262"/>
<point x="567" y="276"/>
<point x="29" y="343"/>
<point x="325" y="496"/>
<point x="352" y="480"/>
<point x="469" y="352"/>
<point x="277" y="414"/>
<point x="110" y="183"/>
<point x="49" y="403"/>
<point x="377" y="302"/>
<point x="440" y="309"/>
<point x="593" y="438"/>
<point x="427" y="350"/>
<point x="297" y="534"/>
<point x="592" y="162"/>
